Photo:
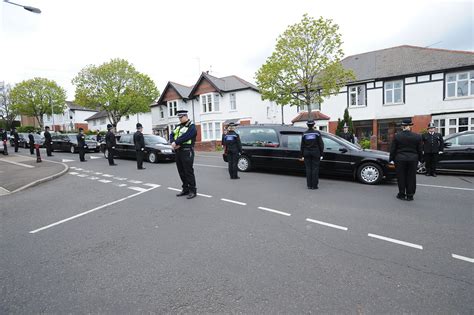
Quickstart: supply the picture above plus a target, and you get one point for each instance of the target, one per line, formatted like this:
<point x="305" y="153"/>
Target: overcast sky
<point x="175" y="40"/>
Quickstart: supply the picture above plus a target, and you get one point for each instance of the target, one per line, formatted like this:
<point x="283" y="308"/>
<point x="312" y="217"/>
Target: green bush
<point x="28" y="129"/>
<point x="365" y="143"/>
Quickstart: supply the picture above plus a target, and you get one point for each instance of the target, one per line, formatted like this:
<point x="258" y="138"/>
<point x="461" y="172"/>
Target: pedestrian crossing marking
<point x="135" y="181"/>
<point x="105" y="181"/>
<point x="138" y="189"/>
<point x="95" y="157"/>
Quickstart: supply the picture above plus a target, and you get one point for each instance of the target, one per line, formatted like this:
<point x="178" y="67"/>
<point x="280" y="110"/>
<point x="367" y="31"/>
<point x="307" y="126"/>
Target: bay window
<point x="211" y="130"/>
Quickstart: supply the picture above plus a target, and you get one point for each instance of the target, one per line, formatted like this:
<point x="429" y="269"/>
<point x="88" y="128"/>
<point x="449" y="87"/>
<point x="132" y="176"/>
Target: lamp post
<point x="26" y="7"/>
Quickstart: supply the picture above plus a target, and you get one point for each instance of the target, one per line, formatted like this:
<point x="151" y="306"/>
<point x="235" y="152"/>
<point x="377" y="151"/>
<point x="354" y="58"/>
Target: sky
<point x="176" y="40"/>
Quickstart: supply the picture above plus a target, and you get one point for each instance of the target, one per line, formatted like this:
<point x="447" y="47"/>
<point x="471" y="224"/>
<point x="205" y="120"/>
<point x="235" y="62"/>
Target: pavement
<point x="18" y="172"/>
<point x="117" y="240"/>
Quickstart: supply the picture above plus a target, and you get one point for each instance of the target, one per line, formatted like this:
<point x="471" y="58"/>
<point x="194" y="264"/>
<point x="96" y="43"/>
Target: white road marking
<point x="206" y="165"/>
<point x="275" y="211"/>
<point x="98" y="173"/>
<point x="175" y="189"/>
<point x="471" y="260"/>
<point x="79" y="169"/>
<point x="93" y="157"/>
<point x="388" y="239"/>
<point x="120" y="185"/>
<point x="93" y="178"/>
<point x="137" y="188"/>
<point x="135" y="181"/>
<point x="17" y="163"/>
<point x="107" y="175"/>
<point x="151" y="185"/>
<point x="119" y="178"/>
<point x="233" y="201"/>
<point x="203" y="195"/>
<point x="73" y="173"/>
<point x="328" y="224"/>
<point x="82" y="175"/>
<point x="104" y="181"/>
<point x="87" y="212"/>
<point x="66" y="160"/>
<point x="446" y="187"/>
<point x="72" y="167"/>
<point x="209" y="156"/>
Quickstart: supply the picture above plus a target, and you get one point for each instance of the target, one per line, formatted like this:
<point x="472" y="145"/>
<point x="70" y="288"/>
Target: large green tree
<point x="116" y="87"/>
<point x="305" y="66"/>
<point x="7" y="110"/>
<point x="37" y="97"/>
<point x="347" y="120"/>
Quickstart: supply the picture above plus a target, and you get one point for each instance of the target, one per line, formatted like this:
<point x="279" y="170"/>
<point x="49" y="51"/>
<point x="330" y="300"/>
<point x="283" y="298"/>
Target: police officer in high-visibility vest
<point x="182" y="140"/>
<point x="233" y="149"/>
<point x="312" y="148"/>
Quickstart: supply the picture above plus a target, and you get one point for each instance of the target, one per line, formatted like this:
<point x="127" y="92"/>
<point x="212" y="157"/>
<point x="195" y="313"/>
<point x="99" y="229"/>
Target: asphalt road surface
<point x="117" y="240"/>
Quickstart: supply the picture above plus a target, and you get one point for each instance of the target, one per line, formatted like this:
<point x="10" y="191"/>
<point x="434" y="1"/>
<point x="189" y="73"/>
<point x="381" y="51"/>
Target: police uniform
<point x="312" y="148"/>
<point x="406" y="151"/>
<point x="81" y="145"/>
<point x="233" y="147"/>
<point x="433" y="144"/>
<point x="183" y="138"/>
<point x="4" y="137"/>
<point x="31" y="142"/>
<point x="16" y="139"/>
<point x="110" y="143"/>
<point x="48" y="142"/>
<point x="347" y="135"/>
<point x="139" y="141"/>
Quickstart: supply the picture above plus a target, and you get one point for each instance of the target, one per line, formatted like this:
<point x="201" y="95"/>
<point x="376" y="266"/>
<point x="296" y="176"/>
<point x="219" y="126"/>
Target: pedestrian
<point x="81" y="145"/>
<point x="233" y="148"/>
<point x="16" y="138"/>
<point x="31" y="142"/>
<point x="110" y="143"/>
<point x="182" y="140"/>
<point x="433" y="145"/>
<point x="139" y="141"/>
<point x="312" y="148"/>
<point x="346" y="134"/>
<point x="406" y="152"/>
<point x="4" y="138"/>
<point x="48" y="141"/>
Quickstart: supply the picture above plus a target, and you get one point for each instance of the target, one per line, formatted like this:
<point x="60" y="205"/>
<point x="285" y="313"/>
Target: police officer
<point x="182" y="140"/>
<point x="4" y="138"/>
<point x="48" y="141"/>
<point x="346" y="134"/>
<point x="139" y="141"/>
<point x="16" y="138"/>
<point x="433" y="145"/>
<point x="312" y="148"/>
<point x="110" y="143"/>
<point x="406" y="152"/>
<point x="233" y="148"/>
<point x="81" y="145"/>
<point x="31" y="142"/>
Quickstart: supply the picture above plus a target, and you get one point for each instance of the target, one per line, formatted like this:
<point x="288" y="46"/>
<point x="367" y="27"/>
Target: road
<point x="106" y="239"/>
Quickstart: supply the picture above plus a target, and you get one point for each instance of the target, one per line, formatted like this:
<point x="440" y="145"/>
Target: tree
<point x="7" y="110"/>
<point x="116" y="87"/>
<point x="305" y="66"/>
<point x="37" y="97"/>
<point x="347" y="119"/>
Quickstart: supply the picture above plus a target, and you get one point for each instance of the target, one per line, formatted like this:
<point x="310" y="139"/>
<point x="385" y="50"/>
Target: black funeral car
<point x="68" y="142"/>
<point x="278" y="147"/>
<point x="156" y="148"/>
<point x="23" y="140"/>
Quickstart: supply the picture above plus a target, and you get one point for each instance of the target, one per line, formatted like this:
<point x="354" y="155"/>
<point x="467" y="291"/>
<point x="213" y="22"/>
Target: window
<point x="94" y="122"/>
<point x="448" y="125"/>
<point x="258" y="137"/>
<point x="210" y="103"/>
<point x="357" y="95"/>
<point x="233" y="101"/>
<point x="460" y="84"/>
<point x="162" y="112"/>
<point x="126" y="139"/>
<point x="211" y="131"/>
<point x="291" y="141"/>
<point x="462" y="140"/>
<point x="393" y="92"/>
<point x="331" y="145"/>
<point x="172" y="108"/>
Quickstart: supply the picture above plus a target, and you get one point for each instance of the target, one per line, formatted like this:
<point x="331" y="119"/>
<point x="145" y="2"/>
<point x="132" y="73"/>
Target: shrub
<point x="365" y="143"/>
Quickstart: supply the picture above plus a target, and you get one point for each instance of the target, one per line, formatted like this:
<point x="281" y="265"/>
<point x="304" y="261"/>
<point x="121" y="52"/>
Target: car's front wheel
<point x="152" y="157"/>
<point x="370" y="173"/>
<point x="72" y="149"/>
<point x="244" y="164"/>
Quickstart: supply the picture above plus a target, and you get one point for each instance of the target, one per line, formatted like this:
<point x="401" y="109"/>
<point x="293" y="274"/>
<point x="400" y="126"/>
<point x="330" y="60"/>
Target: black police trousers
<point x="32" y="148"/>
<point x="232" y="160"/>
<point x="5" y="148"/>
<point x="406" y="176"/>
<point x="184" y="163"/>
<point x="140" y="155"/>
<point x="431" y="161"/>
<point x="82" y="154"/>
<point x="312" y="159"/>
<point x="49" y="149"/>
<point x="110" y="156"/>
<point x="16" y="146"/>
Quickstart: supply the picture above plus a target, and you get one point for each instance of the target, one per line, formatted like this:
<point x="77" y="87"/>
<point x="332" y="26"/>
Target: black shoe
<point x="191" y="195"/>
<point x="84" y="161"/>
<point x="315" y="187"/>
<point x="182" y="193"/>
<point x="237" y="177"/>
<point x="142" y="168"/>
<point x="309" y="187"/>
<point x="434" y="175"/>
<point x="409" y="198"/>
<point x="401" y="197"/>
<point x="113" y="164"/>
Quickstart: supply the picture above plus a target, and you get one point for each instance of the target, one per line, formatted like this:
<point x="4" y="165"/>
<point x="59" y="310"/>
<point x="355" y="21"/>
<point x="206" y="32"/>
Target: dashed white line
<point x="135" y="181"/>
<point x="388" y="239"/>
<point x="207" y="165"/>
<point x="104" y="181"/>
<point x="137" y="188"/>
<point x="79" y="169"/>
<point x="87" y="212"/>
<point x="471" y="260"/>
<point x="17" y="163"/>
<point x="120" y="178"/>
<point x="275" y="211"/>
<point x="151" y="185"/>
<point x="327" y="224"/>
<point x="203" y="195"/>
<point x="73" y="173"/>
<point x="446" y="187"/>
<point x="175" y="189"/>
<point x="98" y="173"/>
<point x="233" y="201"/>
<point x="82" y="175"/>
<point x="107" y="175"/>
<point x="93" y="178"/>
<point x="120" y="185"/>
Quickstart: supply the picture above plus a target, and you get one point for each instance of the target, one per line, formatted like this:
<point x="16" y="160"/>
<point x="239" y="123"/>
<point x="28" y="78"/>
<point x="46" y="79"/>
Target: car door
<point x="337" y="158"/>
<point x="126" y="146"/>
<point x="458" y="153"/>
<point x="290" y="142"/>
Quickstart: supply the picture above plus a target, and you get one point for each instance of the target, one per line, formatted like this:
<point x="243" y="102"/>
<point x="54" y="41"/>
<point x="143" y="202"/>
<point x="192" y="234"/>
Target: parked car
<point x="278" y="147"/>
<point x="23" y="140"/>
<point x="458" y="155"/>
<point x="68" y="142"/>
<point x="156" y="148"/>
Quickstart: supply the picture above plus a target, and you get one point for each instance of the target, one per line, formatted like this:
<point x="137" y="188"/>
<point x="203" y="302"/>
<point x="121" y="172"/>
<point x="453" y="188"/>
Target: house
<point x="73" y="118"/>
<point x="321" y="120"/>
<point x="424" y="84"/>
<point x="212" y="103"/>
<point x="127" y="124"/>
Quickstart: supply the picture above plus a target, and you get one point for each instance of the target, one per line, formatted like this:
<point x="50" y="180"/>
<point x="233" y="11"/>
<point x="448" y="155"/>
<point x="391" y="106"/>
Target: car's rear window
<point x="258" y="137"/>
